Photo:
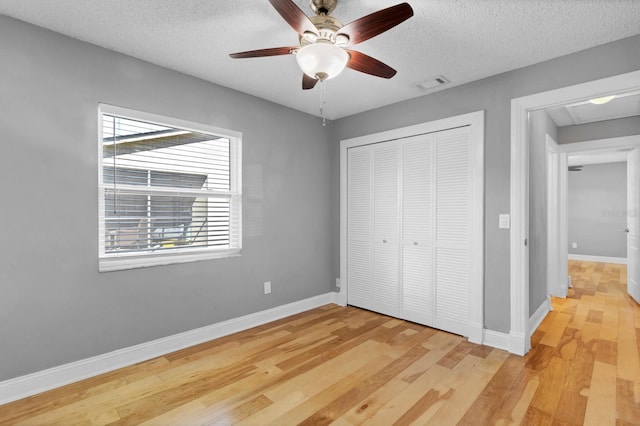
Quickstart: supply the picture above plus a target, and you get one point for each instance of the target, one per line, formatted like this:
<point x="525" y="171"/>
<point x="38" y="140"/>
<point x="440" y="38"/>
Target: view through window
<point x="167" y="190"/>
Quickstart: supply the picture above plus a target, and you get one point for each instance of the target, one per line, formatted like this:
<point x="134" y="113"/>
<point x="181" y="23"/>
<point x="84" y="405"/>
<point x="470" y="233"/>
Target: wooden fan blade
<point x="294" y="16"/>
<point x="308" y="82"/>
<point x="274" y="51"/>
<point x="376" y="23"/>
<point x="368" y="65"/>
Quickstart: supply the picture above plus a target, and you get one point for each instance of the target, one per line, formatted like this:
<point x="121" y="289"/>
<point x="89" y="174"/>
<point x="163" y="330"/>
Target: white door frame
<point x="520" y="332"/>
<point x="633" y="223"/>
<point x="476" y="122"/>
<point x="557" y="235"/>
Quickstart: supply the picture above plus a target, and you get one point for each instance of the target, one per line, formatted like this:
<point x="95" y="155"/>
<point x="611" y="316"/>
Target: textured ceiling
<point x="463" y="40"/>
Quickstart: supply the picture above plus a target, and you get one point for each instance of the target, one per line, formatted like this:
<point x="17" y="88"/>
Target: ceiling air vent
<point x="432" y="83"/>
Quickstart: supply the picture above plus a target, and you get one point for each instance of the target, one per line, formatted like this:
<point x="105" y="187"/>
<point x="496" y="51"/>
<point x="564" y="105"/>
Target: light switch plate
<point x="504" y="221"/>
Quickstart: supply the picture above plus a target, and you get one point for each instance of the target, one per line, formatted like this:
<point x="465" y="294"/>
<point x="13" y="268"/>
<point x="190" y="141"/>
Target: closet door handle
<point x="384" y="241"/>
<point x="415" y="243"/>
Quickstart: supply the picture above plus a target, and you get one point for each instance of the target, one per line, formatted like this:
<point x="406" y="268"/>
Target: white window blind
<point x="170" y="190"/>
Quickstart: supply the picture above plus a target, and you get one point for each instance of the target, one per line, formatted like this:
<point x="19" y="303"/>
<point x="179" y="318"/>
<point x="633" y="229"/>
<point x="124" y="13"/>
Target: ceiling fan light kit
<point x="322" y="60"/>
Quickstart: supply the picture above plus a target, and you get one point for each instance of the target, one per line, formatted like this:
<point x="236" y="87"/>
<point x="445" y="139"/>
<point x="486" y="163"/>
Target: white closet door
<point x="359" y="204"/>
<point x="417" y="229"/>
<point x="409" y="228"/>
<point x="386" y="283"/>
<point x="453" y="229"/>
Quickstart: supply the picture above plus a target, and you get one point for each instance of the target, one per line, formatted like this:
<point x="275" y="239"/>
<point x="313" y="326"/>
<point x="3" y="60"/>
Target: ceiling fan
<point x="322" y="53"/>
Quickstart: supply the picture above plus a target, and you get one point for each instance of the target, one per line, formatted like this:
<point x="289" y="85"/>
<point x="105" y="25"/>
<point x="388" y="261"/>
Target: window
<point x="170" y="190"/>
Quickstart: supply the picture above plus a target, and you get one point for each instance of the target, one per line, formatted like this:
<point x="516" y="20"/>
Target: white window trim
<point x="137" y="260"/>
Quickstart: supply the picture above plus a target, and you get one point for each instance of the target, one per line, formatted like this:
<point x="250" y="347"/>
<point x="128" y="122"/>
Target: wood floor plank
<point x="568" y="344"/>
<point x="93" y="406"/>
<point x="183" y="414"/>
<point x="537" y="417"/>
<point x="556" y="331"/>
<point x="346" y="366"/>
<point x="359" y="392"/>
<point x="368" y="407"/>
<point x="402" y="402"/>
<point x="549" y="392"/>
<point x="327" y="373"/>
<point x="628" y="356"/>
<point x="322" y="397"/>
<point x="519" y="410"/>
<point x="582" y="311"/>
<point x="609" y="330"/>
<point x="571" y="408"/>
<point x="607" y="351"/>
<point x="628" y="401"/>
<point x="601" y="403"/>
<point x="503" y="393"/>
<point x="468" y="390"/>
<point x="578" y="378"/>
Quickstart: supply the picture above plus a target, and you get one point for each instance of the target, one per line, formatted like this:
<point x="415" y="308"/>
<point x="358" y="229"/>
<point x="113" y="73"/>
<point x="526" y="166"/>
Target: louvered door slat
<point x="453" y="226"/>
<point x="359" y="252"/>
<point x="417" y="229"/>
<point x="386" y="292"/>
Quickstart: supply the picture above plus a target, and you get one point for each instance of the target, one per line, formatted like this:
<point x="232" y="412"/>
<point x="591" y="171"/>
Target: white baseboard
<point x="517" y="343"/>
<point x="603" y="259"/>
<point x="35" y="383"/>
<point x="495" y="339"/>
<point x="539" y="314"/>
<point x="476" y="333"/>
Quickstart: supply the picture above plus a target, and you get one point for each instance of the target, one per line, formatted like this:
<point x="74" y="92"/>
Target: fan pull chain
<point x="322" y="104"/>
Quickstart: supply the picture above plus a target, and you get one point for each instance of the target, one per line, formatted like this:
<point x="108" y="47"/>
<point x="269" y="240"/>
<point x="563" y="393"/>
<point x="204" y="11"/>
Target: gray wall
<point x="600" y="130"/>
<point x="541" y="126"/>
<point x="55" y="307"/>
<point x="597" y="198"/>
<point x="493" y="95"/>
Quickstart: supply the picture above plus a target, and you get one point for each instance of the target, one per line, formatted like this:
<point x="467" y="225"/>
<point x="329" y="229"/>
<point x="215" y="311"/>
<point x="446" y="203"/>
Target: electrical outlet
<point x="574" y="245"/>
<point x="338" y="282"/>
<point x="267" y="287"/>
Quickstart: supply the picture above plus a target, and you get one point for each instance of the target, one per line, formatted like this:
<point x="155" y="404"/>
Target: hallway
<point x="590" y="345"/>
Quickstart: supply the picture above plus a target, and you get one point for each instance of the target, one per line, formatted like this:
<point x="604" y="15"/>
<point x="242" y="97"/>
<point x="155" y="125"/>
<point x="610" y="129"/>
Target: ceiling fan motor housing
<point x="323" y="7"/>
<point x="327" y="27"/>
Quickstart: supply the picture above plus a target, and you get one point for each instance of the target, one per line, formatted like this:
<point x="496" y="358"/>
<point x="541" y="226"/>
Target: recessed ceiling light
<point x="603" y="100"/>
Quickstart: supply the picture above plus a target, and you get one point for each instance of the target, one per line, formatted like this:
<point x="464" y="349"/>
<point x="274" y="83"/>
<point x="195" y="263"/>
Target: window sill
<point x="119" y="263"/>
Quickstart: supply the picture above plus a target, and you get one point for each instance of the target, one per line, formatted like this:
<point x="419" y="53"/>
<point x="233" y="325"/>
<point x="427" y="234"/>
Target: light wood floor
<point x="346" y="366"/>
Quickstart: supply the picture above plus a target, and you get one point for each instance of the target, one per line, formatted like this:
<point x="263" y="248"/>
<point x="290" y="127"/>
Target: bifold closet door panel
<point x="417" y="229"/>
<point x="359" y="205"/>
<point x="453" y="229"/>
<point x="386" y="238"/>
